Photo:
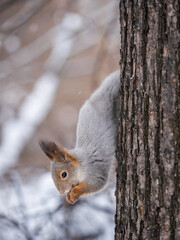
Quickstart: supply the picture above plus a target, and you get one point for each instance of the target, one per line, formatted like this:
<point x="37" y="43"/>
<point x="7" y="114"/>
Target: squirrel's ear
<point x="52" y="150"/>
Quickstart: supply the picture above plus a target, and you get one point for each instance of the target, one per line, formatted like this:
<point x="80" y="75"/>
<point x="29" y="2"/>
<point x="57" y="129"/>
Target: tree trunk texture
<point x="148" y="151"/>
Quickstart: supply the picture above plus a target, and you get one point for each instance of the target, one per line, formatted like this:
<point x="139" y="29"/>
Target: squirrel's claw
<point x="72" y="197"/>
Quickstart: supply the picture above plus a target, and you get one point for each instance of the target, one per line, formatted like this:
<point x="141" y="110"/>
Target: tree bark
<point x="148" y="151"/>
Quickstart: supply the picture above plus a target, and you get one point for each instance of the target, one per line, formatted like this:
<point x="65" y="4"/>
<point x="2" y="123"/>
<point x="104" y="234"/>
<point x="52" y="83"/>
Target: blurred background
<point x="53" y="54"/>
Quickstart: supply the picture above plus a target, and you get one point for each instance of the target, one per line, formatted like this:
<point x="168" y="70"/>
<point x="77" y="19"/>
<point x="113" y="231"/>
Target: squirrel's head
<point x="63" y="165"/>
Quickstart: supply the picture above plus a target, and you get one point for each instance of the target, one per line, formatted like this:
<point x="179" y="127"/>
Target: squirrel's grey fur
<point x="97" y="133"/>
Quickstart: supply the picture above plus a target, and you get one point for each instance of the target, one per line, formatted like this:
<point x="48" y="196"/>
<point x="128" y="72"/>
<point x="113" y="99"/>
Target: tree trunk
<point x="148" y="172"/>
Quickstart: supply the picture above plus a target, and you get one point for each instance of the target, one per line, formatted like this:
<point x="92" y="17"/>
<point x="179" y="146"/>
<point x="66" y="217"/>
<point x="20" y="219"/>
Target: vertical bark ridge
<point x="175" y="204"/>
<point x="122" y="172"/>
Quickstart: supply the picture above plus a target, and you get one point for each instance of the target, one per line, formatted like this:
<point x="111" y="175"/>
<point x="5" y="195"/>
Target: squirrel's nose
<point x="62" y="191"/>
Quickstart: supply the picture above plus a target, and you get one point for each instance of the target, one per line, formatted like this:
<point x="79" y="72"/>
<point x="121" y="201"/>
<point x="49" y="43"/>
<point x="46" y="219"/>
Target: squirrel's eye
<point x="64" y="174"/>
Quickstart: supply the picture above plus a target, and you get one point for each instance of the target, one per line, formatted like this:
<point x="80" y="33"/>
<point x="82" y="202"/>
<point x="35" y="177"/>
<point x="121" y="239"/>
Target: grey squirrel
<point x="86" y="168"/>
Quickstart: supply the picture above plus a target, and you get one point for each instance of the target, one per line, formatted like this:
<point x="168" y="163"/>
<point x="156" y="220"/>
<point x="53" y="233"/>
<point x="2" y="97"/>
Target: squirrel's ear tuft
<point x="49" y="148"/>
<point x="58" y="153"/>
<point x="52" y="150"/>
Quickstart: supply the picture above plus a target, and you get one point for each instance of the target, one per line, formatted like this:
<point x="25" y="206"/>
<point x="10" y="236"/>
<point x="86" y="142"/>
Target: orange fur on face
<point x="67" y="157"/>
<point x="72" y="159"/>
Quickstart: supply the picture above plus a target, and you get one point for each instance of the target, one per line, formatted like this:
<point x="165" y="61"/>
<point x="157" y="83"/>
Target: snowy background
<point x="53" y="54"/>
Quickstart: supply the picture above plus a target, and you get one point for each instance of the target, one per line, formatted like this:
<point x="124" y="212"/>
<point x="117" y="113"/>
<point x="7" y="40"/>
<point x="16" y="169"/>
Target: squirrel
<point x="86" y="168"/>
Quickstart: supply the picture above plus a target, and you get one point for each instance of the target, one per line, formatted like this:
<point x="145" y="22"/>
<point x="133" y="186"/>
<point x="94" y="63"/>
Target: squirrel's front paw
<point x="72" y="197"/>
